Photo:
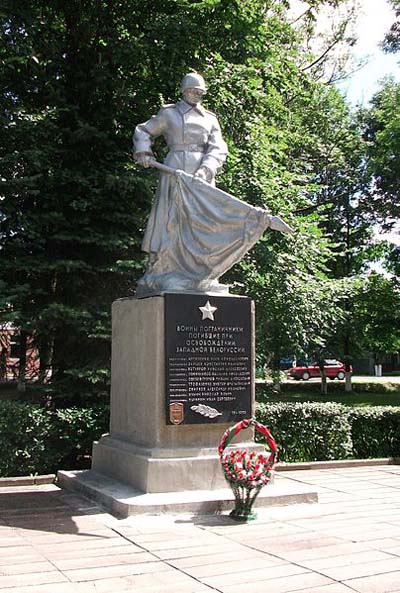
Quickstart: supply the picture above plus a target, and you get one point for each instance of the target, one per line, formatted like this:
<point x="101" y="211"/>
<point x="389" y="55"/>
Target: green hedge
<point x="308" y="431"/>
<point x="322" y="431"/>
<point x="375" y="431"/>
<point x="36" y="440"/>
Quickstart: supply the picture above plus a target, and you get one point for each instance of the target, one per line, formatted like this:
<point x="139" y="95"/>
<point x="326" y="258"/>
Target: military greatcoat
<point x="196" y="231"/>
<point x="194" y="139"/>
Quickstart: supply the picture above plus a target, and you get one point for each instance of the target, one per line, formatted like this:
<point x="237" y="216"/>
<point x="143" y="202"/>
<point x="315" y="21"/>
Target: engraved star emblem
<point x="208" y="311"/>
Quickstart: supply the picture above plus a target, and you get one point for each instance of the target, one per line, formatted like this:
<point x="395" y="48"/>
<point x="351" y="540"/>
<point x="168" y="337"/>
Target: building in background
<point x="10" y="355"/>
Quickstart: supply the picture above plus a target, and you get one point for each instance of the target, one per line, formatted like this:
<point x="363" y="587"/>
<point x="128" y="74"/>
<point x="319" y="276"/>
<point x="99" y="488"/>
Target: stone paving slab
<point x="382" y="583"/>
<point x="52" y="541"/>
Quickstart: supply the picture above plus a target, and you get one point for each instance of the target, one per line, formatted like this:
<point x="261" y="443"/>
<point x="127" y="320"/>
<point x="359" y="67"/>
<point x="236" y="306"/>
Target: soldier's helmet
<point x="193" y="81"/>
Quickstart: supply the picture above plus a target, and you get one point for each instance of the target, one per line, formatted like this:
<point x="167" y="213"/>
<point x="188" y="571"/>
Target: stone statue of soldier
<point x="195" y="231"/>
<point x="192" y="133"/>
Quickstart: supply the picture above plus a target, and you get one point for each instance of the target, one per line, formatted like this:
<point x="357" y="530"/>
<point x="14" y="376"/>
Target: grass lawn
<point x="348" y="399"/>
<point x="367" y="391"/>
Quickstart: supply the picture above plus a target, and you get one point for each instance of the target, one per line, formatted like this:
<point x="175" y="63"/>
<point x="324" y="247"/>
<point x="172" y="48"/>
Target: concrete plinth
<point x="138" y="381"/>
<point x="143" y="457"/>
<point x="142" y="451"/>
<point x="161" y="469"/>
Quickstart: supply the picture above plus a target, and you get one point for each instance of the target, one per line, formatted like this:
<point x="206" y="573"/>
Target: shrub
<point x="375" y="431"/>
<point x="36" y="440"/>
<point x="308" y="431"/>
<point x="25" y="434"/>
<point x="77" y="428"/>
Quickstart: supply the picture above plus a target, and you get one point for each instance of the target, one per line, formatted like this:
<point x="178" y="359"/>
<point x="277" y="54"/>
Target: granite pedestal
<point x="142" y="451"/>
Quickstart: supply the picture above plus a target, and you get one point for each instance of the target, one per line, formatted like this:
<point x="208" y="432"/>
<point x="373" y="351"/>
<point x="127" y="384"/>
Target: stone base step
<point x="122" y="500"/>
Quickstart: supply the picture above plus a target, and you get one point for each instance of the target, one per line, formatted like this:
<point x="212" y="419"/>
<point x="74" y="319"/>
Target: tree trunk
<point x="276" y="373"/>
<point x="347" y="358"/>
<point x="276" y="381"/>
<point x="3" y="365"/>
<point x="46" y="359"/>
<point x="324" y="385"/>
<point x="347" y="367"/>
<point x="23" y="339"/>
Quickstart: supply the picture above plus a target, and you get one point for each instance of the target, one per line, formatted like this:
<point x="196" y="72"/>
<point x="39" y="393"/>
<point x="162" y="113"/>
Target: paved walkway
<point x="52" y="541"/>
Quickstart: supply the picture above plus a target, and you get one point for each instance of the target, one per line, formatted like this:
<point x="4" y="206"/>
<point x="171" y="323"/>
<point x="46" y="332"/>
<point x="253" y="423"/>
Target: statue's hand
<point x="277" y="224"/>
<point x="204" y="173"/>
<point x="143" y="159"/>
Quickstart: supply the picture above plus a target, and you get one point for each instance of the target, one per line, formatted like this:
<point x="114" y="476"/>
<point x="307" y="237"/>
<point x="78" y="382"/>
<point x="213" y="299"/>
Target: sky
<point x="372" y="25"/>
<point x="375" y="19"/>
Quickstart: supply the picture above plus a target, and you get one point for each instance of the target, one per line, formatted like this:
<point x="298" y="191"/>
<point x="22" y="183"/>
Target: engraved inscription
<point x="209" y="364"/>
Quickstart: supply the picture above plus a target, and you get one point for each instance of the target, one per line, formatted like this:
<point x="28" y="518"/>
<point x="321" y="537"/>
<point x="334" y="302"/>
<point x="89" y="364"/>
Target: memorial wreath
<point x="247" y="472"/>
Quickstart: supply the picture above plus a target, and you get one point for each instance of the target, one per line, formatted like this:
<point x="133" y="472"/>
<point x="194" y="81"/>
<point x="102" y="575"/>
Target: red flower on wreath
<point x="251" y="470"/>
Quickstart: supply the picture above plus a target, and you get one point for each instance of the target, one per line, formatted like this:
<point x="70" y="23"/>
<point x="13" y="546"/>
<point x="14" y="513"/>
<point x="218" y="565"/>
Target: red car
<point x="334" y="369"/>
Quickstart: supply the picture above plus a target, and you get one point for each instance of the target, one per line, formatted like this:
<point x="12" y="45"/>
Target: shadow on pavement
<point x="47" y="511"/>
